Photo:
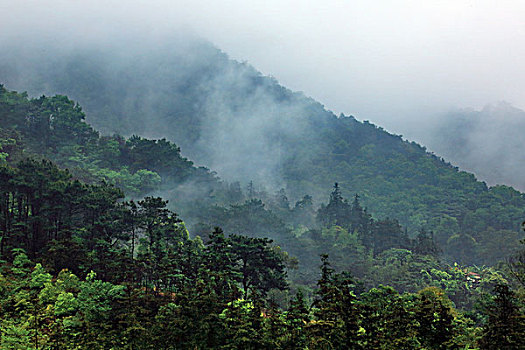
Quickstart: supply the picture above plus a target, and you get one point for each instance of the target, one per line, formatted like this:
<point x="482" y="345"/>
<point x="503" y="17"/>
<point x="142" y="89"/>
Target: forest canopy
<point x="92" y="256"/>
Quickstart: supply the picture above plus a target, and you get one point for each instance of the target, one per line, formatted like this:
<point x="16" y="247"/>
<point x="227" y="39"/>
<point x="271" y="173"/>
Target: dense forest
<point x="93" y="258"/>
<point x="192" y="94"/>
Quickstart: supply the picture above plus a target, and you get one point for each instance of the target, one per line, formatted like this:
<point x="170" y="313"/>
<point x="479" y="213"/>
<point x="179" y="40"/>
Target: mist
<point x="487" y="142"/>
<point x="403" y="65"/>
<point x="383" y="62"/>
<point x="232" y="119"/>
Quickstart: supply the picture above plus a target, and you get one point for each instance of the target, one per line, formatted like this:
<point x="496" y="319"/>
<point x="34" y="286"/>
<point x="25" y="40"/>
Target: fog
<point x="384" y="61"/>
<point x="400" y="64"/>
<point x="222" y="113"/>
<point x="488" y="142"/>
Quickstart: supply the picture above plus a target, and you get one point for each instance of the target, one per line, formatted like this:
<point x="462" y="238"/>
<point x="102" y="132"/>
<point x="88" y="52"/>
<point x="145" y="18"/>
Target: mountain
<point x="54" y="128"/>
<point x="229" y="117"/>
<point x="77" y="256"/>
<point x="488" y="142"/>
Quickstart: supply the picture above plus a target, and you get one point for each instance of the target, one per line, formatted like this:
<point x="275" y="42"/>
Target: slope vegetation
<point x="229" y="117"/>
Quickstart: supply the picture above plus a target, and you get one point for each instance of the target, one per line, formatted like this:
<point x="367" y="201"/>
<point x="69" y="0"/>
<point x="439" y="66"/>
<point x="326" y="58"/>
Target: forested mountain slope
<point x="227" y="116"/>
<point x="54" y="128"/>
<point x="83" y="267"/>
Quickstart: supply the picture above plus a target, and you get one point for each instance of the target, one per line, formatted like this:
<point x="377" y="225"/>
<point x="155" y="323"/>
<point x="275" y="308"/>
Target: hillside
<point x="84" y="266"/>
<point x="227" y="116"/>
<point x="54" y="128"/>
<point x="80" y="269"/>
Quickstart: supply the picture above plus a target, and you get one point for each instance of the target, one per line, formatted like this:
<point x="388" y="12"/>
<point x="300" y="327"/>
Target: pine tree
<point x="505" y="327"/>
<point x="337" y="314"/>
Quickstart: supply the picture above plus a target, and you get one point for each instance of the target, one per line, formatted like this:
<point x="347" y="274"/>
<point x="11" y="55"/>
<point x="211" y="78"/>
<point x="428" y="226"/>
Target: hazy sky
<point x="378" y="60"/>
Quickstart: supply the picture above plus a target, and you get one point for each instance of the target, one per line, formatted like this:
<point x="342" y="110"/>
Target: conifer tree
<point x="505" y="327"/>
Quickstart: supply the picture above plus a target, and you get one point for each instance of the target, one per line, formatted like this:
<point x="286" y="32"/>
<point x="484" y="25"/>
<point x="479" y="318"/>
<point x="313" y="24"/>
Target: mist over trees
<point x="487" y="142"/>
<point x="212" y="107"/>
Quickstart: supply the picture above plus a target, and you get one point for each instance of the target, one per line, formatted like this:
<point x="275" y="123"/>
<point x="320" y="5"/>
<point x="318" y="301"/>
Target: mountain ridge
<point x="227" y="116"/>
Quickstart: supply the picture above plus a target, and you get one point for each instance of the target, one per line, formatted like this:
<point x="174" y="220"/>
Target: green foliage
<point x="4" y="144"/>
<point x="389" y="319"/>
<point x="336" y="311"/>
<point x="435" y="315"/>
<point x="395" y="178"/>
<point x="55" y="128"/>
<point x="81" y="268"/>
<point x="506" y="321"/>
<point x="43" y="312"/>
<point x="464" y="285"/>
<point x="38" y="310"/>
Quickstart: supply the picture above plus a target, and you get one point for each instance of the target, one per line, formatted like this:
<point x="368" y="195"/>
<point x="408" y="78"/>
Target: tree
<point x="516" y="265"/>
<point x="259" y="267"/>
<point x="336" y="212"/>
<point x="297" y="319"/>
<point x="388" y="319"/>
<point x="388" y="234"/>
<point x="425" y="245"/>
<point x="220" y="263"/>
<point x="336" y="310"/>
<point x="435" y="315"/>
<point x="303" y="212"/>
<point x="506" y="321"/>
